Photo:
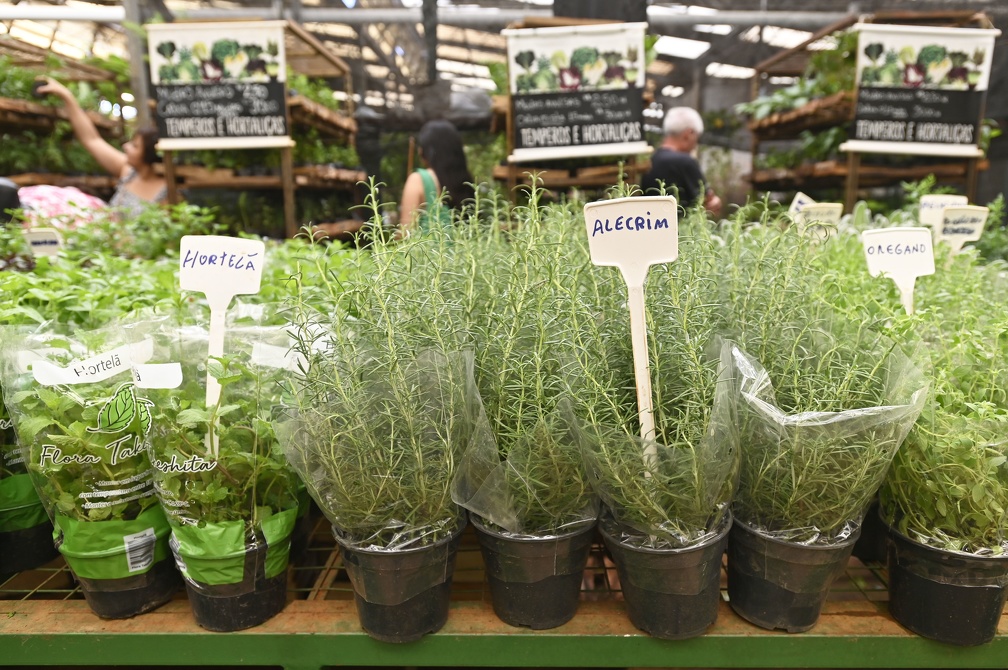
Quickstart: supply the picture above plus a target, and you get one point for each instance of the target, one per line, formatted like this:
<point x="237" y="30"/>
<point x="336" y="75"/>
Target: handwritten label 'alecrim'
<point x="629" y="224"/>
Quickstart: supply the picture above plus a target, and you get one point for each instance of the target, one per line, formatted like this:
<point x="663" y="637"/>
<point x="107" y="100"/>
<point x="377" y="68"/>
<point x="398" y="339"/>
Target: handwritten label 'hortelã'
<point x="231" y="261"/>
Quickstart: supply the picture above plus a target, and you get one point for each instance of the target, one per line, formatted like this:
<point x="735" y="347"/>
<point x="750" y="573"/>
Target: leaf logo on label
<point x="143" y="410"/>
<point x="118" y="413"/>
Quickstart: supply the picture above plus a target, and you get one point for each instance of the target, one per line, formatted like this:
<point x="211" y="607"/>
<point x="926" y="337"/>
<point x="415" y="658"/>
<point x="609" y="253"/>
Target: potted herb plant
<point x="81" y="431"/>
<point x="219" y="470"/>
<point x="945" y="497"/>
<point x="383" y="411"/>
<point x="823" y="403"/>
<point x="666" y="513"/>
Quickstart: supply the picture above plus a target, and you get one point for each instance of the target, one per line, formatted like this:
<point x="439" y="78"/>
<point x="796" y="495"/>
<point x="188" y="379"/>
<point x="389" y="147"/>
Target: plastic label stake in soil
<point x="220" y="267"/>
<point x="902" y="254"/>
<point x="633" y="234"/>
<point x="929" y="213"/>
<point x="960" y="225"/>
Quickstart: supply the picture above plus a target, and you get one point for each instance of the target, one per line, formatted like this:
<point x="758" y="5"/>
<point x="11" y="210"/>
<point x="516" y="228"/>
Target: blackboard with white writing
<point x="221" y="109"/>
<point x="550" y="120"/>
<point x="929" y="116"/>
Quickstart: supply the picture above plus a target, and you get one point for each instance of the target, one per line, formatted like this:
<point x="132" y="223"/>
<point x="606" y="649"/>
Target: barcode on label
<point x="140" y="549"/>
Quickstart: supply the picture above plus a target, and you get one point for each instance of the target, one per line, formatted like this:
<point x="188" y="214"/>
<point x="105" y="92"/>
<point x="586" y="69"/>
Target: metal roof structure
<point x="406" y="53"/>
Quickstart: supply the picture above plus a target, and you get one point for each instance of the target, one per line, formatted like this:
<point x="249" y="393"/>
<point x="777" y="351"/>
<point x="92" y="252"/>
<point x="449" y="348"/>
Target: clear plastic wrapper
<point x="377" y="440"/>
<point x="81" y="432"/>
<point x="219" y="471"/>
<point x="809" y="477"/>
<point x="665" y="496"/>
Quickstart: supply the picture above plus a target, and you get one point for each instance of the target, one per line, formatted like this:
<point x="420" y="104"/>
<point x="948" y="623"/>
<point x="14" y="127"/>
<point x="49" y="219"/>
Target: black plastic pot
<point x="781" y="585"/>
<point x="535" y="582"/>
<point x="26" y="548"/>
<point x="229" y="607"/>
<point x="129" y="596"/>
<point x="947" y="596"/>
<point x="871" y="545"/>
<point x="671" y="594"/>
<point x="402" y="595"/>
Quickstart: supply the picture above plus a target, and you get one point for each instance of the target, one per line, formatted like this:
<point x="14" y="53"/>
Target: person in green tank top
<point x="444" y="184"/>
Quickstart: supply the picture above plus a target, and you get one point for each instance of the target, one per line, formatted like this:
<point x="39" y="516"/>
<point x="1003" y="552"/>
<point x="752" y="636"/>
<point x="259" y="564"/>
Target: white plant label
<point x="960" y="225"/>
<point x="818" y="218"/>
<point x="220" y="267"/>
<point x="633" y="234"/>
<point x="43" y="241"/>
<point x="902" y="254"/>
<point x="94" y="369"/>
<point x="158" y="375"/>
<point x="799" y="202"/>
<point x="931" y="205"/>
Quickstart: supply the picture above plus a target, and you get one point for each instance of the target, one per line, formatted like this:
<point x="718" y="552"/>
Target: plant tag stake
<point x="220" y="267"/>
<point x="960" y="225"/>
<point x="43" y="241"/>
<point x="818" y="218"/>
<point x="931" y="205"/>
<point x="633" y="234"/>
<point x="902" y="254"/>
<point x="798" y="203"/>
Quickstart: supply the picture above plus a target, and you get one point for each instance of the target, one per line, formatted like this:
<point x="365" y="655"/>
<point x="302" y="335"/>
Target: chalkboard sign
<point x="921" y="89"/>
<point x="576" y="90"/>
<point x="216" y="83"/>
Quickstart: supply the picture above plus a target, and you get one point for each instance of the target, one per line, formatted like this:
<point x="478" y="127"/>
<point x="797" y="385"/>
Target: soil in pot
<point x="402" y="595"/>
<point x="948" y="596"/>
<point x="781" y="585"/>
<point x="671" y="594"/>
<point x="535" y="582"/>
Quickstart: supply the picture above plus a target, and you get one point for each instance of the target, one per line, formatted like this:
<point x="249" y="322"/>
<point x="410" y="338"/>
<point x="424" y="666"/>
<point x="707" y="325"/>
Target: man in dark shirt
<point x="674" y="165"/>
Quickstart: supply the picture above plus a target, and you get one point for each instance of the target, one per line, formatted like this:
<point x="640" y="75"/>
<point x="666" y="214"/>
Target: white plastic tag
<point x="633" y="234"/>
<point x="818" y="218"/>
<point x="94" y="369"/>
<point x="272" y="356"/>
<point x="43" y="241"/>
<point x="220" y="267"/>
<point x="931" y="205"/>
<point x="960" y="225"/>
<point x="902" y="254"/>
<point x="158" y="375"/>
<point x="799" y="202"/>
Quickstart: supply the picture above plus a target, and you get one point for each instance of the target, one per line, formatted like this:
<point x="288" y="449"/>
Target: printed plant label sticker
<point x="960" y="225"/>
<point x="929" y="212"/>
<point x="902" y="254"/>
<point x="94" y="369"/>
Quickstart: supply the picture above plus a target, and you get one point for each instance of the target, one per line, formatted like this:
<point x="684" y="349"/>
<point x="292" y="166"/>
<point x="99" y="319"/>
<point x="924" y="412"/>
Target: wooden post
<point x="168" y="159"/>
<point x="287" y="178"/>
<point x="972" y="170"/>
<point x="853" y="173"/>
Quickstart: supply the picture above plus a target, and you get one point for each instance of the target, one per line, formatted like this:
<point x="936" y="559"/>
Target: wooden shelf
<point x="29" y="115"/>
<point x="311" y="176"/>
<point x="834" y="174"/>
<point x="833" y="110"/>
<point x="320" y="117"/>
<point x="587" y="177"/>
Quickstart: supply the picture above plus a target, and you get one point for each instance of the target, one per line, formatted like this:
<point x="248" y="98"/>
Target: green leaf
<point x="192" y="417"/>
<point x="145" y="417"/>
<point x="118" y="413"/>
<point x="30" y="426"/>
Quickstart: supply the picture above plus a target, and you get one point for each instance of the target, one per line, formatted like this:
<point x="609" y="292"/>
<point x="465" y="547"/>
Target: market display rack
<point x="45" y="621"/>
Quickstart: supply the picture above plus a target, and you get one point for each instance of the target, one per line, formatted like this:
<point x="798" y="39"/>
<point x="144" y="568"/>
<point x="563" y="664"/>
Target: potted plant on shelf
<point x="81" y="431"/>
<point x="823" y="405"/>
<point x="667" y="502"/>
<point x="945" y="496"/>
<point x="382" y="412"/>
<point x="219" y="470"/>
<point x="529" y="495"/>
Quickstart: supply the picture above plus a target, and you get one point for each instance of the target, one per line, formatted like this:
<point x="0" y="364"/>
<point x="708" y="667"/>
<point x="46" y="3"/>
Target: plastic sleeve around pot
<point x="114" y="549"/>
<point x="215" y="554"/>
<point x="679" y="496"/>
<point x="810" y="476"/>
